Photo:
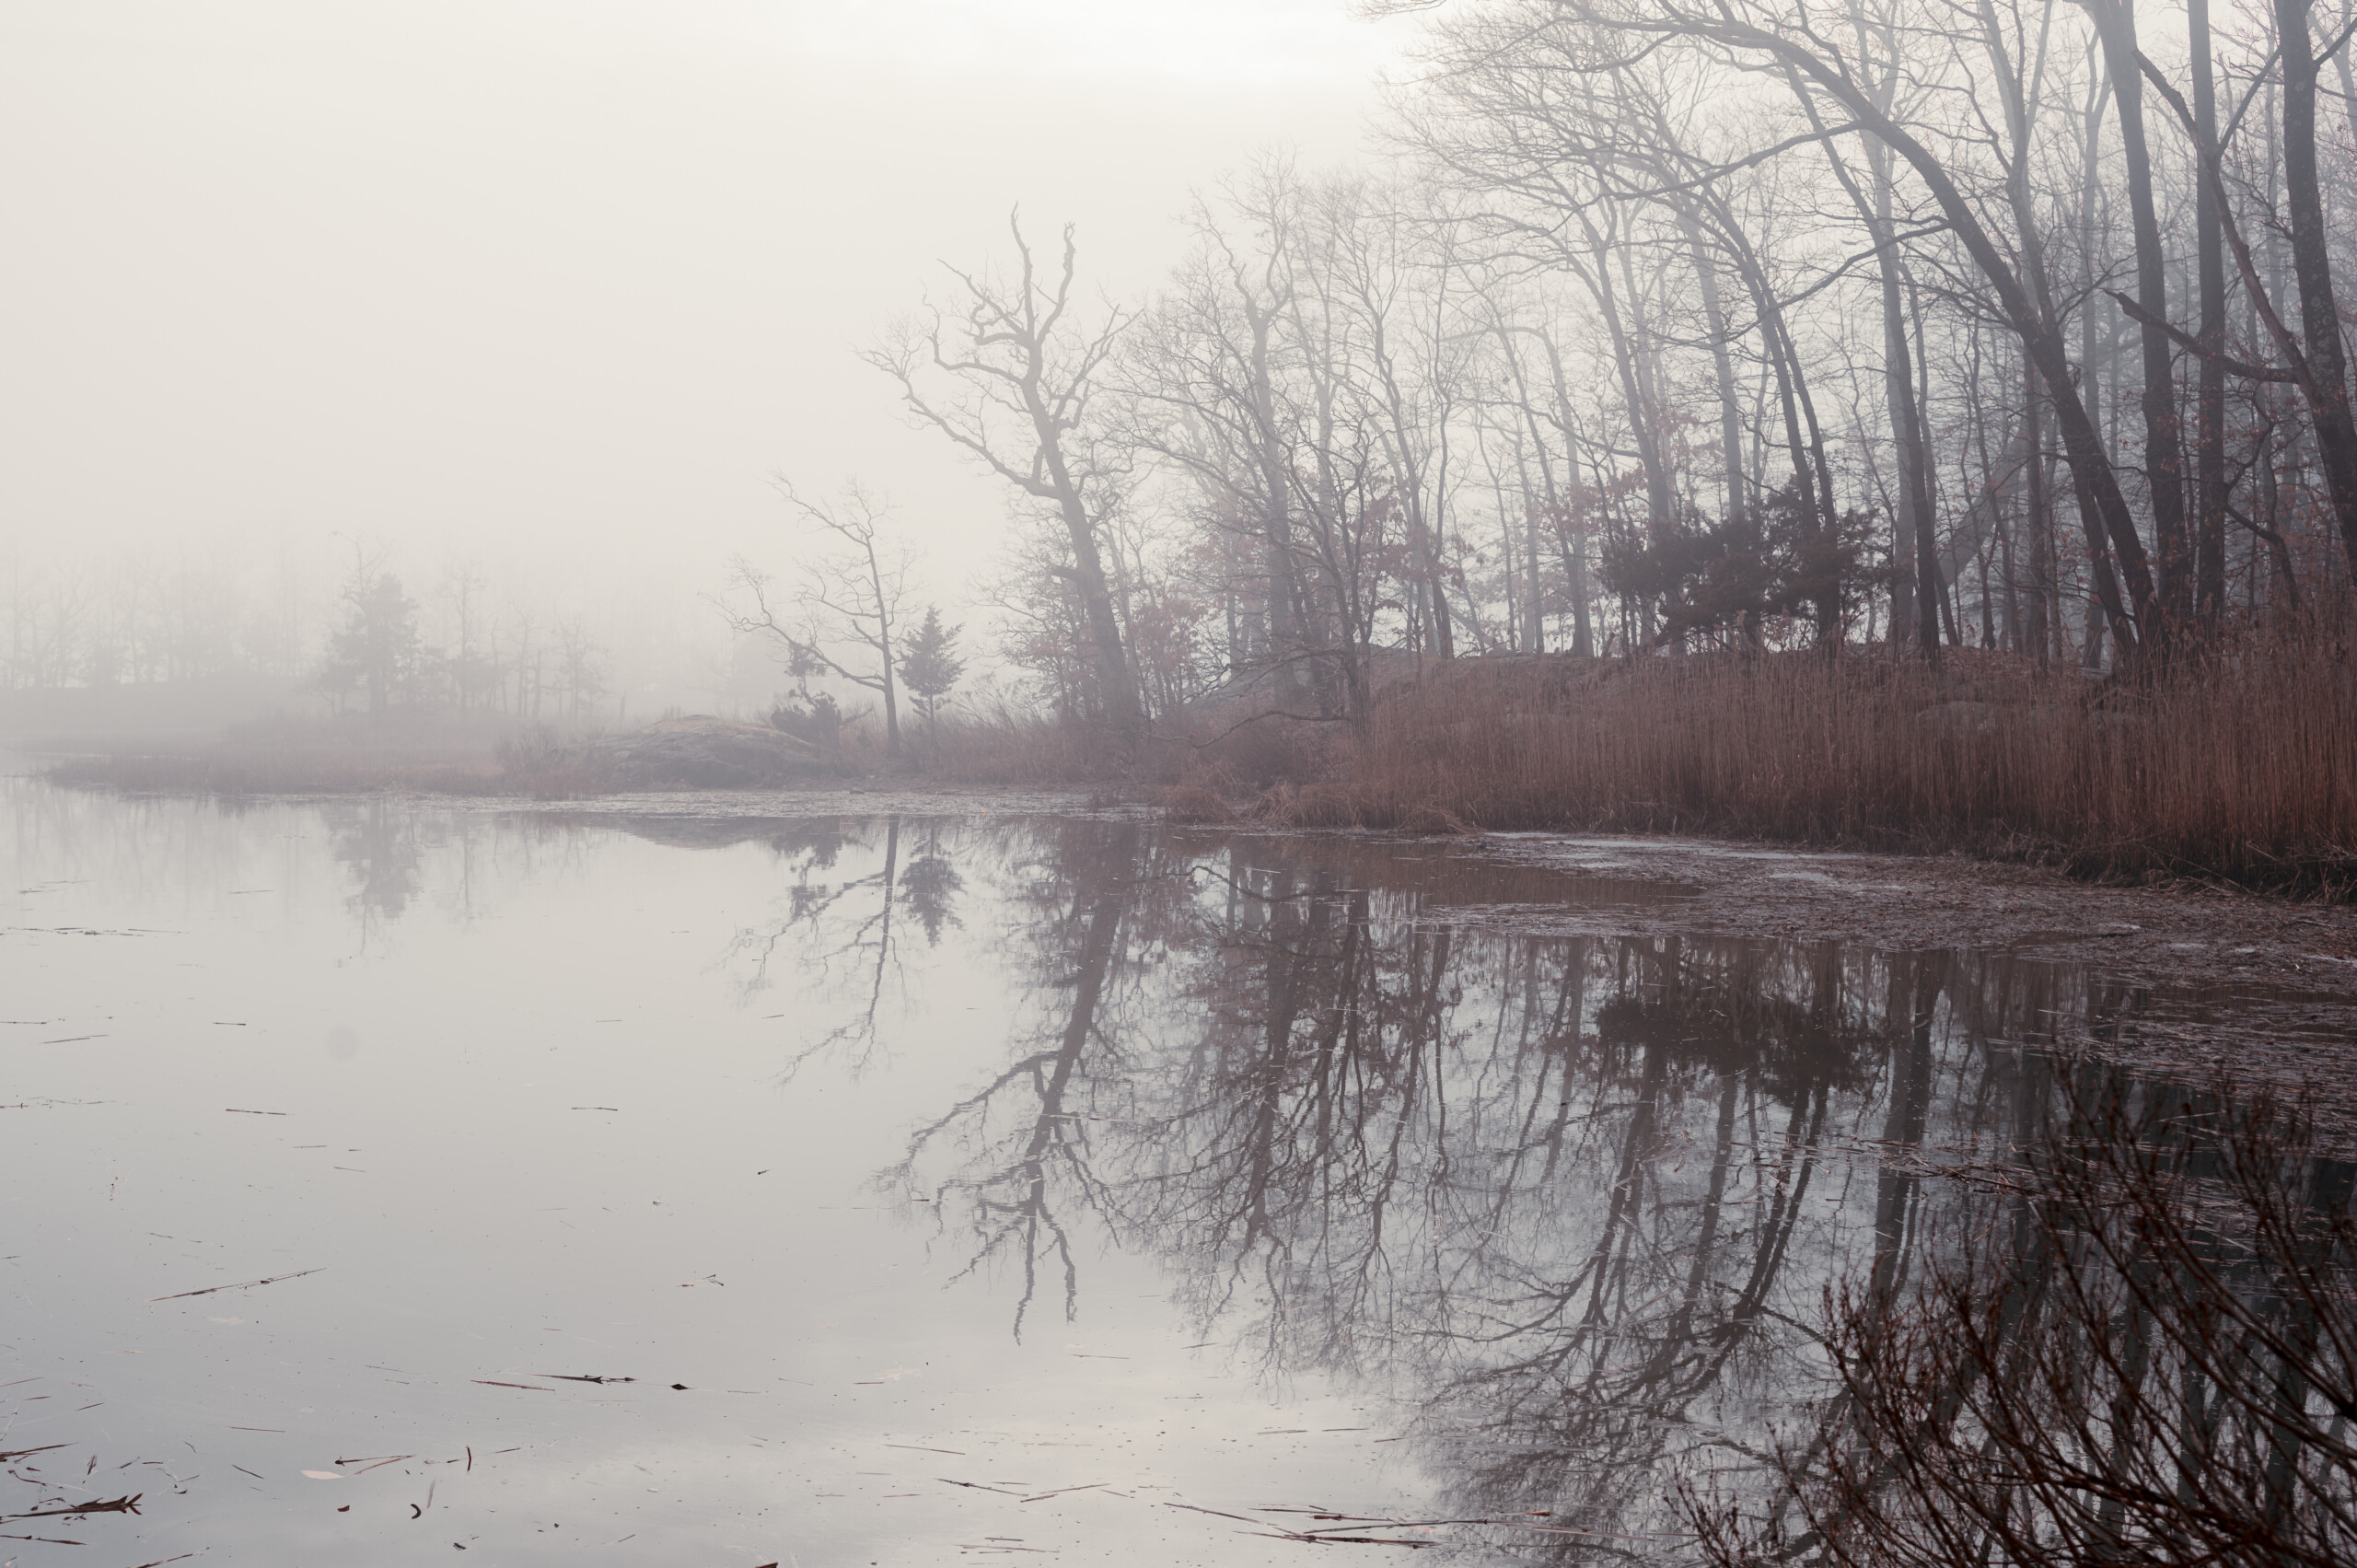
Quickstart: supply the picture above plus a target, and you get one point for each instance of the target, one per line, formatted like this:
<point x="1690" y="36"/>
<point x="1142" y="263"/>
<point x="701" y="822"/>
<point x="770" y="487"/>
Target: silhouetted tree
<point x="844" y="612"/>
<point x="375" y="652"/>
<point x="930" y="667"/>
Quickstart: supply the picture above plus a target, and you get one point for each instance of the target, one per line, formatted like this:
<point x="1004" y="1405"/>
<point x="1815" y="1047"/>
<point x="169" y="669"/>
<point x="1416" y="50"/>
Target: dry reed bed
<point x="2240" y="769"/>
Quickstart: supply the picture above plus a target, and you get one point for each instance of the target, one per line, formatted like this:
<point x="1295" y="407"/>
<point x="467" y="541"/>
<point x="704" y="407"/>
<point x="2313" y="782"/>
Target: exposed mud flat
<point x="2212" y="981"/>
<point x="2178" y="933"/>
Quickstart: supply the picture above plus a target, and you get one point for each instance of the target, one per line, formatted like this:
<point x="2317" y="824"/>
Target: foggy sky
<point x="505" y="277"/>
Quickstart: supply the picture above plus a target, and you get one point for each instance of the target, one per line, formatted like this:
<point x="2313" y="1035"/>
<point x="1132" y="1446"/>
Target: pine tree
<point x="930" y="665"/>
<point x="375" y="652"/>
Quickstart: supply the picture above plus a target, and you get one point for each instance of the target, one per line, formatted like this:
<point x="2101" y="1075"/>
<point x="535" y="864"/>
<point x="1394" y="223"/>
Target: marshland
<point x="1549" y="780"/>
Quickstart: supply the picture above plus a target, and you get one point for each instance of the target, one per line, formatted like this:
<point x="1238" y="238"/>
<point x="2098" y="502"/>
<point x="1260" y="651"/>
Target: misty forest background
<point x="1996" y="344"/>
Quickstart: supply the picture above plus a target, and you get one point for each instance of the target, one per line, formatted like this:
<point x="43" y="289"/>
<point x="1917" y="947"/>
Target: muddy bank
<point x="2210" y="980"/>
<point x="2176" y="932"/>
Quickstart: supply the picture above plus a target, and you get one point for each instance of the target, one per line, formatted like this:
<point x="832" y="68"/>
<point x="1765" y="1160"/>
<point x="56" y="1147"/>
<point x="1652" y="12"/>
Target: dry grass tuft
<point x="1194" y="804"/>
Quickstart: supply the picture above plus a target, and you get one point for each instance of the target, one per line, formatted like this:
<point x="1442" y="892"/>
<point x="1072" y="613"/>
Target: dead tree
<point x="1008" y="376"/>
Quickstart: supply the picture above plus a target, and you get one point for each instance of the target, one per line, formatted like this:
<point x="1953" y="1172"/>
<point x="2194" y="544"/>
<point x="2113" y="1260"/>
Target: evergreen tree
<point x="376" y="651"/>
<point x="930" y="665"/>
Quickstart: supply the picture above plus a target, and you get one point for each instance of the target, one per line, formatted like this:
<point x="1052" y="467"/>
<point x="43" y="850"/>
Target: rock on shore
<point x="704" y="752"/>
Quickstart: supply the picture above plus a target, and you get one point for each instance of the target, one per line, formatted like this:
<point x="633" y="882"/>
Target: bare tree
<point x="1007" y="375"/>
<point x="843" y="613"/>
<point x="585" y="679"/>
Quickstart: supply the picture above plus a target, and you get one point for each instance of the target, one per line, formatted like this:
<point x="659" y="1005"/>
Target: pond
<point x="395" y="1178"/>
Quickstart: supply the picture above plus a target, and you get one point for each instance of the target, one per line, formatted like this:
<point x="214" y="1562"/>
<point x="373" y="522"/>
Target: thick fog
<point x="555" y="288"/>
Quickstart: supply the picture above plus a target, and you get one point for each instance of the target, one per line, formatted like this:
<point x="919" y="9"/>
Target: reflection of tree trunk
<point x="1784" y="1209"/>
<point x="1628" y="1182"/>
<point x="883" y="915"/>
<point x="2329" y="1183"/>
<point x="1054" y="1076"/>
<point x="1913" y="984"/>
<point x="1680" y="1326"/>
<point x="1291" y="928"/>
<point x="1571" y="1012"/>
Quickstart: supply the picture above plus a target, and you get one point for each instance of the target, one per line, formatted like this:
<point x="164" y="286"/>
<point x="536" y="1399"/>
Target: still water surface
<point x="919" y="1188"/>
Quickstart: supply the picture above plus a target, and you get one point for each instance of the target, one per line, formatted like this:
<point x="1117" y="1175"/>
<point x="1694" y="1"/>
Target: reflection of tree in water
<point x="382" y="842"/>
<point x="1580" y="1197"/>
<point x="1098" y="904"/>
<point x="840" y="930"/>
<point x="2132" y="1339"/>
<point x="932" y="885"/>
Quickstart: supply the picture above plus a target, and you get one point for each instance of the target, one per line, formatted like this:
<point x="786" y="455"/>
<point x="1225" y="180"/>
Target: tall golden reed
<point x="2239" y="767"/>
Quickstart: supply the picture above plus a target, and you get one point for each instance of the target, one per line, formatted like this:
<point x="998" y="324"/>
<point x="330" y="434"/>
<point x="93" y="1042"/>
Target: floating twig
<point x="248" y="1285"/>
<point x="117" y="1506"/>
<point x="581" y="1377"/>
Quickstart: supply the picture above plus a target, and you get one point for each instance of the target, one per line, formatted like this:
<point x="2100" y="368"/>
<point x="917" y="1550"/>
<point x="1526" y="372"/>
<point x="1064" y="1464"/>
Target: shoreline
<point x="2171" y="930"/>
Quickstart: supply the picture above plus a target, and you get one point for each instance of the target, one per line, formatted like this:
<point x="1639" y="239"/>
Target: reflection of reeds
<point x="2138" y="1345"/>
<point x="2244" y="767"/>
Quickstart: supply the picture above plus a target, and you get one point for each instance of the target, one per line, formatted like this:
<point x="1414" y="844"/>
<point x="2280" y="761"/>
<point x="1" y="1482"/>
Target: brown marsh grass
<point x="2240" y="768"/>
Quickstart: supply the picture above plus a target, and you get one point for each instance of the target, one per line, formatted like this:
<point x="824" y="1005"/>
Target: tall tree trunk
<point x="1714" y="322"/>
<point x="2327" y="369"/>
<point x="1624" y="353"/>
<point x="1118" y="687"/>
<point x="1276" y="485"/>
<point x="2043" y="599"/>
<point x="2210" y="420"/>
<point x="2164" y="455"/>
<point x="1572" y="537"/>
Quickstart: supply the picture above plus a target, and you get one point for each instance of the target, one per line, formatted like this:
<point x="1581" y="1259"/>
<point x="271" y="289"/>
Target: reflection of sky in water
<point x="1303" y="1199"/>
